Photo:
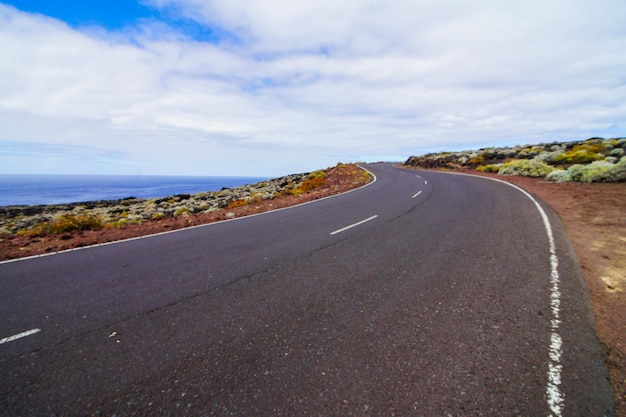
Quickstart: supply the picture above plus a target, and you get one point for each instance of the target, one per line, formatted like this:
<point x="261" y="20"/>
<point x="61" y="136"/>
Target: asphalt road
<point x="423" y="293"/>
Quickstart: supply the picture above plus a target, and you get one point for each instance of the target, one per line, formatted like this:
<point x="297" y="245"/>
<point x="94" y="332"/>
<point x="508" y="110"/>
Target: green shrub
<point x="66" y="223"/>
<point x="558" y="175"/>
<point x="118" y="223"/>
<point x="183" y="211"/>
<point x="578" y="157"/>
<point x="592" y="145"/>
<point x="525" y="153"/>
<point x="477" y="160"/>
<point x="574" y="173"/>
<point x="526" y="168"/>
<point x="617" y="152"/>
<point x="583" y="153"/>
<point x="598" y="171"/>
<point x="602" y="171"/>
<point x="489" y="168"/>
<point x="549" y="157"/>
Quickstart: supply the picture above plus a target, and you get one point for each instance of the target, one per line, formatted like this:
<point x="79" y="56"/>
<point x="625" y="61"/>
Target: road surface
<point x="422" y="293"/>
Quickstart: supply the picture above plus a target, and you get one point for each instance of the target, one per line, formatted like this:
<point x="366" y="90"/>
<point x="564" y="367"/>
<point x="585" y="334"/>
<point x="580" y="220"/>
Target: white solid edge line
<point x="555" y="398"/>
<point x="19" y="336"/>
<point x="418" y="193"/>
<point x="194" y="227"/>
<point x="343" y="229"/>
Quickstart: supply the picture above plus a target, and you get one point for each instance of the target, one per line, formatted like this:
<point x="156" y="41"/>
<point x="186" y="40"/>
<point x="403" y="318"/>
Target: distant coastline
<point x="18" y="189"/>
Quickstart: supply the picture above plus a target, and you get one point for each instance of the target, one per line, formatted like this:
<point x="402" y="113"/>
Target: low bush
<point x="253" y="199"/>
<point x="65" y="224"/>
<point x="489" y="168"/>
<point x="617" y="152"/>
<point x="558" y="175"/>
<point x="602" y="171"/>
<point x="183" y="211"/>
<point x="477" y="160"/>
<point x="313" y="181"/>
<point x="598" y="171"/>
<point x="549" y="157"/>
<point x="574" y="173"/>
<point x="583" y="153"/>
<point x="578" y="157"/>
<point x="593" y="145"/>
<point x="526" y="168"/>
<point x="525" y="154"/>
<point x="237" y="203"/>
<point x="118" y="223"/>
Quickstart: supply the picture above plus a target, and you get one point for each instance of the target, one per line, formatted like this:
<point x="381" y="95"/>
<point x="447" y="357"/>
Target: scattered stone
<point x="108" y="220"/>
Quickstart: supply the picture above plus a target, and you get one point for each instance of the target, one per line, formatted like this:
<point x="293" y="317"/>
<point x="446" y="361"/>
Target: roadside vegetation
<point x="66" y="223"/>
<point x="592" y="160"/>
<point x="33" y="221"/>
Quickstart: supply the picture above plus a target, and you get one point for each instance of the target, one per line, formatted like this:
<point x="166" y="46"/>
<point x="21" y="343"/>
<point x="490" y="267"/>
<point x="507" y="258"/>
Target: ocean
<point x="59" y="189"/>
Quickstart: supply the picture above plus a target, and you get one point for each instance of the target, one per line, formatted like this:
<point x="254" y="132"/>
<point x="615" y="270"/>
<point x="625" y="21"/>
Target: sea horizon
<point x="46" y="189"/>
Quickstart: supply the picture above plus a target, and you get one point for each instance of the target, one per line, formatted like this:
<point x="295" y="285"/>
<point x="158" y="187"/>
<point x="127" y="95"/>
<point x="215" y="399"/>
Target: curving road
<point x="422" y="293"/>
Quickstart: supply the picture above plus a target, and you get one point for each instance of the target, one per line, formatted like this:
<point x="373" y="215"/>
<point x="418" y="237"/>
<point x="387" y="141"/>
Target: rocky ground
<point x="22" y="231"/>
<point x="119" y="213"/>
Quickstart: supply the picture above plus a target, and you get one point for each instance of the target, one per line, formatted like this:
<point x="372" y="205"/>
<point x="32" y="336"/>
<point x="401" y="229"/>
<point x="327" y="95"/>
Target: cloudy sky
<point x="272" y="87"/>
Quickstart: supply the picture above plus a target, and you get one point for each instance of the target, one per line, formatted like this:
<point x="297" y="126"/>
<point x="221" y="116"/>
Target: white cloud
<point x="295" y="86"/>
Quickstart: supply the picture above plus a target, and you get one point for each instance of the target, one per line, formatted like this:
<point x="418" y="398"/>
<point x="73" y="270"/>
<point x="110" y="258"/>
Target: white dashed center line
<point x="418" y="193"/>
<point x="19" y="336"/>
<point x="353" y="225"/>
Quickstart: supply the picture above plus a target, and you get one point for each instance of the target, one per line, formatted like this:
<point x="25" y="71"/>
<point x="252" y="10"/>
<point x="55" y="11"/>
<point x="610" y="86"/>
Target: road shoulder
<point x="593" y="216"/>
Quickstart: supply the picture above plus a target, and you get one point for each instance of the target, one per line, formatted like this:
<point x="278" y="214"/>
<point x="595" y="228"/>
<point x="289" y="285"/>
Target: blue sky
<point x="271" y="87"/>
<point x="112" y="14"/>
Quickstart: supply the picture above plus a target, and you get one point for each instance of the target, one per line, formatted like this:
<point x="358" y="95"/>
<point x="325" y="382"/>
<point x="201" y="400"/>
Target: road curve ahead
<point x="423" y="293"/>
